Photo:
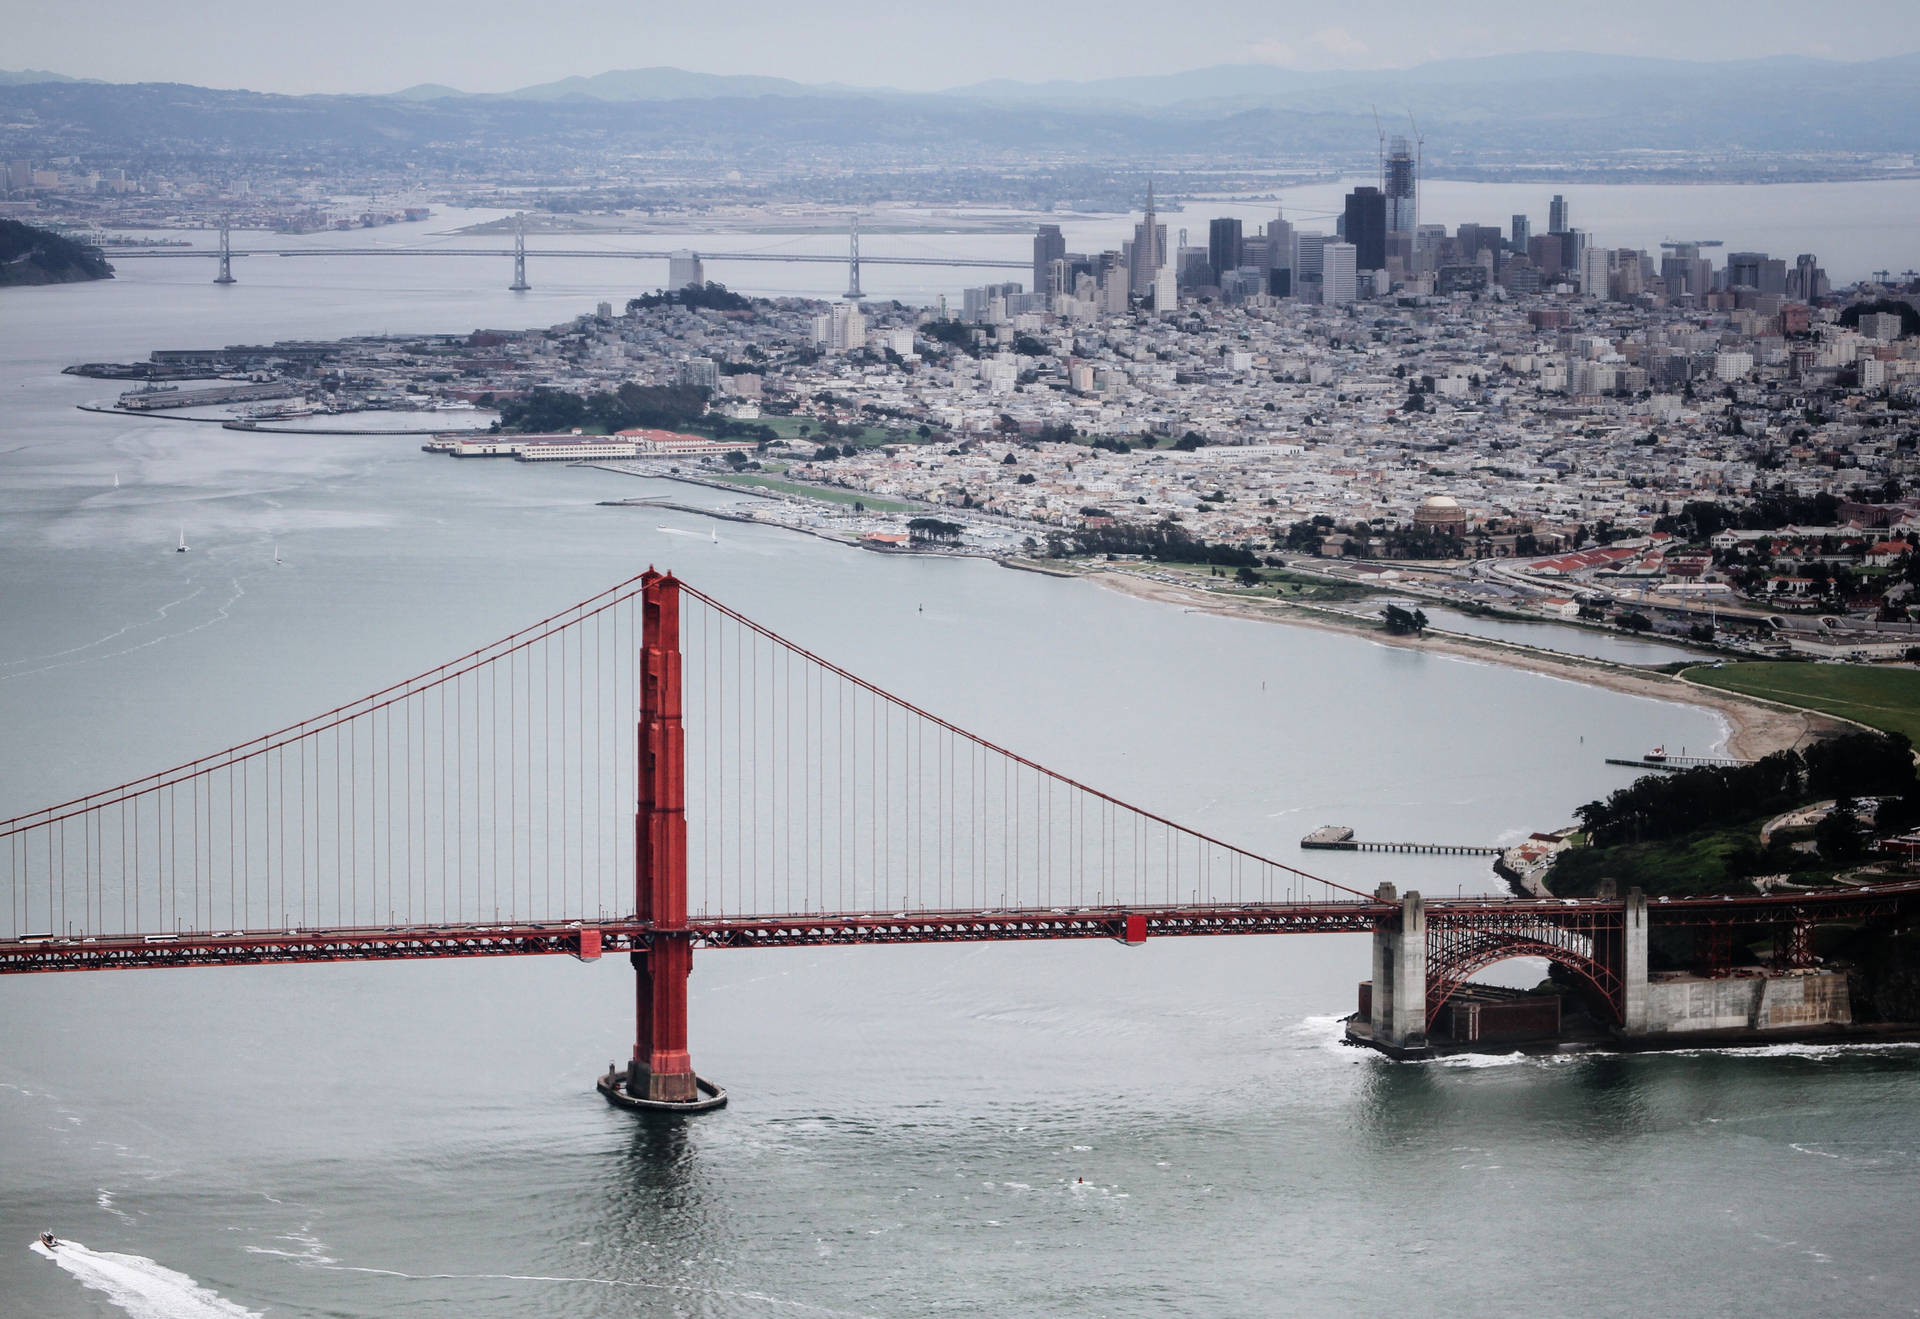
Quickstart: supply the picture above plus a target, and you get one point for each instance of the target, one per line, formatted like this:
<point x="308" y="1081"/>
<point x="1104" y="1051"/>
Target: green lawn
<point x="867" y="437"/>
<point x="1887" y="699"/>
<point x="848" y="497"/>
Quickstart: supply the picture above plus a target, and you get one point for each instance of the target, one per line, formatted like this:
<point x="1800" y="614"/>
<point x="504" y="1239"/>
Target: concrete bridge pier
<point x="1400" y="974"/>
<point x="1633" y="965"/>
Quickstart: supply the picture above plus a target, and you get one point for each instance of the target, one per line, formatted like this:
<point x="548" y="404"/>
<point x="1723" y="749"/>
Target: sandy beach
<point x="1754" y="727"/>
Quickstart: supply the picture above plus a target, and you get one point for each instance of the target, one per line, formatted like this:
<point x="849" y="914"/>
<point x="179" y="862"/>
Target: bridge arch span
<point x="1457" y="955"/>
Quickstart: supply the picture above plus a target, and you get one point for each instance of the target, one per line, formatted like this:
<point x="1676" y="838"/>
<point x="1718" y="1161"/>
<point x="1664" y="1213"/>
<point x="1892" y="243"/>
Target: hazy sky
<point x="496" y="45"/>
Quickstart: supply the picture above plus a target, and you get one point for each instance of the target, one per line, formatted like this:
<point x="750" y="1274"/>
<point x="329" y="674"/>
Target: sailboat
<point x="181" y="548"/>
<point x="276" y="551"/>
<point x="715" y="533"/>
<point x="116" y="480"/>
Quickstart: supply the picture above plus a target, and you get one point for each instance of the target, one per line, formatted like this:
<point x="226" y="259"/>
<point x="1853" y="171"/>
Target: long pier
<point x="1680" y="762"/>
<point x="1339" y="838"/>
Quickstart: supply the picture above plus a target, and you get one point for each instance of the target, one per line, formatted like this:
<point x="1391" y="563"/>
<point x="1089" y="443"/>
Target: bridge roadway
<point x="588" y="939"/>
<point x="507" y="253"/>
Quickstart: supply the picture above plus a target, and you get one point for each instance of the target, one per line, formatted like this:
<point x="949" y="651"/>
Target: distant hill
<point x="1475" y="114"/>
<point x="29" y="255"/>
<point x="18" y="77"/>
<point x="663" y="84"/>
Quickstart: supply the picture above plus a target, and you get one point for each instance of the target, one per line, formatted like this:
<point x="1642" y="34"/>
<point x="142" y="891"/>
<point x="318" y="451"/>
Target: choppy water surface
<point x="1047" y="1129"/>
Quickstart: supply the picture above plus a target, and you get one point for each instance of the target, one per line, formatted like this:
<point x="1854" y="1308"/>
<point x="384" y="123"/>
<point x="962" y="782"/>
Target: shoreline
<point x="1755" y="728"/>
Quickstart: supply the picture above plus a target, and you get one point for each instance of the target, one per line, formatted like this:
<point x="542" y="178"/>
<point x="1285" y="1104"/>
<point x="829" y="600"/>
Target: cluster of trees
<point x="651" y="407"/>
<point x="1669" y="805"/>
<point x="1700" y="519"/>
<point x="954" y="334"/>
<point x="934" y="529"/>
<point x="661" y="407"/>
<point x="1404" y="622"/>
<point x="1162" y="540"/>
<point x="699" y="297"/>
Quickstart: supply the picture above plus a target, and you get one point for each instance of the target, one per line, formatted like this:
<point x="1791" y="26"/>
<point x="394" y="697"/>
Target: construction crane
<point x="1381" y="163"/>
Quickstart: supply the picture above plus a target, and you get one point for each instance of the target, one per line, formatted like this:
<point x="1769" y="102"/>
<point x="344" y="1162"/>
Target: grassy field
<point x="867" y="437"/>
<point x="847" y="497"/>
<point x="1281" y="582"/>
<point x="1887" y="699"/>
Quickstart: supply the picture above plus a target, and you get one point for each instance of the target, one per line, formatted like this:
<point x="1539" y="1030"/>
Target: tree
<point x="1839" y="835"/>
<point x="1404" y="622"/>
<point x="1247" y="577"/>
<point x="1190" y="441"/>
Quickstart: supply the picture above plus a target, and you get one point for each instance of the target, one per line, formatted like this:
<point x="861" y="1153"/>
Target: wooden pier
<point x="1339" y="838"/>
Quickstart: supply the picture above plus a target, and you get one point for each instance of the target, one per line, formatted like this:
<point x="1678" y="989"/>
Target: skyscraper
<point x="1401" y="184"/>
<point x="1338" y="274"/>
<point x="1522" y="231"/>
<point x="1366" y="227"/>
<point x="1223" y="247"/>
<point x="1557" y="215"/>
<point x="1595" y="264"/>
<point x="1048" y="246"/>
<point x="1149" y="250"/>
<point x="1309" y="249"/>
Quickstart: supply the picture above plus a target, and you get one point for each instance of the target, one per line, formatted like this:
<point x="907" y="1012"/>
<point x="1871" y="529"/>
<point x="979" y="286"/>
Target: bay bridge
<point x="225" y="255"/>
<point x="650" y="772"/>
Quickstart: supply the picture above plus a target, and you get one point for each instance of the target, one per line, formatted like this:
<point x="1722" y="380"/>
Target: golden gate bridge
<point x="651" y="772"/>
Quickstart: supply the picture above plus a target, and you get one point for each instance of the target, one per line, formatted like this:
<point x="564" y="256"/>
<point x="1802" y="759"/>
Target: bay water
<point x="1034" y="1129"/>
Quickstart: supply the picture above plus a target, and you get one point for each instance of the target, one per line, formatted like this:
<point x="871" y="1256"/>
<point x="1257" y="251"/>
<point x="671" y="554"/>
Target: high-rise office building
<point x="1048" y="246"/>
<point x="1522" y="231"/>
<point x="1758" y="271"/>
<point x="1807" y="281"/>
<point x="1366" y="227"/>
<point x="1338" y="274"/>
<point x="1596" y="263"/>
<point x="1743" y="269"/>
<point x="1279" y="247"/>
<point x="1547" y="254"/>
<point x="1557" y="215"/>
<point x="1149" y="251"/>
<point x="1309" y="250"/>
<point x="1223" y="247"/>
<point x="1401" y="185"/>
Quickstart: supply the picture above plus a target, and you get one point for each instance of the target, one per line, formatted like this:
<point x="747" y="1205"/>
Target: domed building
<point x="1441" y="515"/>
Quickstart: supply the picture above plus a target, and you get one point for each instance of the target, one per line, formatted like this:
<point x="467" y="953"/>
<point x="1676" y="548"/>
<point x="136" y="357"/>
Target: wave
<point x="141" y="1287"/>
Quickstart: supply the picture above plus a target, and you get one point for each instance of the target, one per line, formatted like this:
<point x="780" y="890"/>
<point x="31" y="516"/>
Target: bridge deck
<point x="589" y="939"/>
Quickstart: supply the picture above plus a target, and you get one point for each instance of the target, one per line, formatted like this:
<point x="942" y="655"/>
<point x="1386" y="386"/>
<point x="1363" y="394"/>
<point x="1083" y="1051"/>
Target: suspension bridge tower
<point x="853" y="259"/>
<point x="226" y="255"/>
<point x="660" y="1076"/>
<point x="519" y="284"/>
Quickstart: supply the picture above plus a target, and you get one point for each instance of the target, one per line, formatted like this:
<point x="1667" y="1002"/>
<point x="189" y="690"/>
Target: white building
<point x="1595" y="264"/>
<point x="842" y="329"/>
<point x="683" y="268"/>
<point x="1338" y="279"/>
<point x="1731" y="365"/>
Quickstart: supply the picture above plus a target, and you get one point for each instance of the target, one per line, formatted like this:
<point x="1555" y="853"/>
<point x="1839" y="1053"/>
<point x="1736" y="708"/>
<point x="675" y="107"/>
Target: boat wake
<point x="141" y="1287"/>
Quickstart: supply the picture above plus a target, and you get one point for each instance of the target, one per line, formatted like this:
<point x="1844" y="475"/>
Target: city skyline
<point x="289" y="49"/>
